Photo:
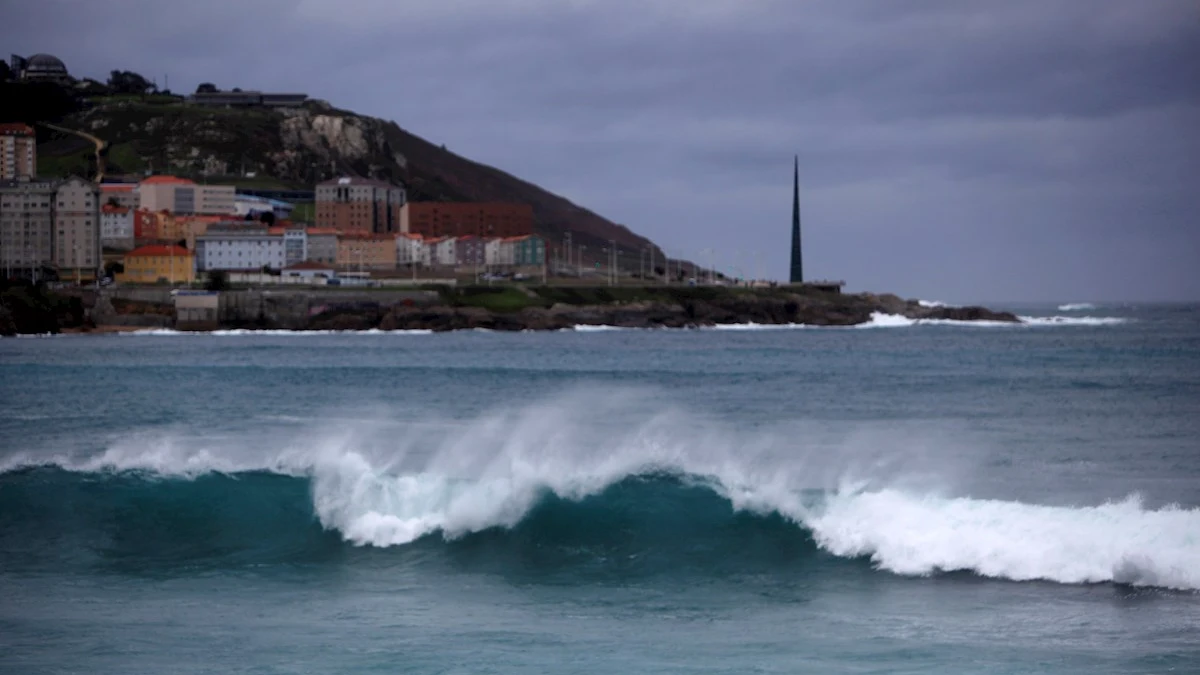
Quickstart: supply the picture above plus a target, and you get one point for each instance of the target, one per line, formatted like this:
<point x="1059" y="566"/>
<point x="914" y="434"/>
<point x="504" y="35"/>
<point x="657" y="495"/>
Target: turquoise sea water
<point x="893" y="499"/>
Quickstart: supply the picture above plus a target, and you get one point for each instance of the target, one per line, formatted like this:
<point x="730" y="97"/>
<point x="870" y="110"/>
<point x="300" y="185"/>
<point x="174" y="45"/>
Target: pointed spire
<point x="797" y="270"/>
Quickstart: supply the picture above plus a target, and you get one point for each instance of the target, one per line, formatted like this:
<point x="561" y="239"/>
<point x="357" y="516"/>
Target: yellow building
<point x="150" y="264"/>
<point x="366" y="251"/>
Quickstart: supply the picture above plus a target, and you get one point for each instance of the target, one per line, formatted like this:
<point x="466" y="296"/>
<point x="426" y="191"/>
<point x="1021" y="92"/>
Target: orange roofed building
<point x="459" y="219"/>
<point x="152" y="264"/>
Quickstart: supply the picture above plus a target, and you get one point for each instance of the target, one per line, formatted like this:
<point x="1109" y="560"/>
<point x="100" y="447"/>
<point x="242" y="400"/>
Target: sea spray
<point x="856" y="496"/>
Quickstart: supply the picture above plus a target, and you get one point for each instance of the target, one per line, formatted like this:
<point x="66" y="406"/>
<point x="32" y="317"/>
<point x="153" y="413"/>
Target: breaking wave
<point x="1076" y="307"/>
<point x="668" y="487"/>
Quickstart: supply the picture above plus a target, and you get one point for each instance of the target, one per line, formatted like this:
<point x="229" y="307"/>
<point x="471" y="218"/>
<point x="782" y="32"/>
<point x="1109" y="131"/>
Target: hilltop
<point x="286" y="148"/>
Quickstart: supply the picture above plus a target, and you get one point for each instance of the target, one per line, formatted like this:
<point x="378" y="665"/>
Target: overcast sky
<point x="956" y="150"/>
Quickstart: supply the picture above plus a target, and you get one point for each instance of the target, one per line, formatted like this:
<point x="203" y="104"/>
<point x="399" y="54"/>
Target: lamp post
<point x="612" y="266"/>
<point x="567" y="240"/>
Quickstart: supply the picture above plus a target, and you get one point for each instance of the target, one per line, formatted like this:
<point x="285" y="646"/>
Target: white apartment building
<point x="77" y="227"/>
<point x="116" y="226"/>
<point x="499" y="253"/>
<point x="442" y="251"/>
<point x="239" y="248"/>
<point x="26" y="225"/>
<point x="411" y="249"/>
<point x="295" y="246"/>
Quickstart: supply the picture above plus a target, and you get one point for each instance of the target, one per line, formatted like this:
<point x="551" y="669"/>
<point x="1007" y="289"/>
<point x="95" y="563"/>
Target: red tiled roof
<point x="322" y="230"/>
<point x="157" y="250"/>
<point x="16" y="129"/>
<point x="117" y="187"/>
<point x="109" y="208"/>
<point x="164" y="180"/>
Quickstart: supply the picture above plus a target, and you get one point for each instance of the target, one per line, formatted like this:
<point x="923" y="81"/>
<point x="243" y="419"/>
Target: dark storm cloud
<point x="963" y="150"/>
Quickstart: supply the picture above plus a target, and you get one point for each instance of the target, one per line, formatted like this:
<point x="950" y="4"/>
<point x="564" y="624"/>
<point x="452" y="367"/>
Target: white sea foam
<point x="1076" y="307"/>
<point x="236" y="332"/>
<point x="1074" y="320"/>
<point x="881" y="320"/>
<point x="931" y="303"/>
<point x="593" y="328"/>
<point x="392" y="482"/>
<point x="1120" y="541"/>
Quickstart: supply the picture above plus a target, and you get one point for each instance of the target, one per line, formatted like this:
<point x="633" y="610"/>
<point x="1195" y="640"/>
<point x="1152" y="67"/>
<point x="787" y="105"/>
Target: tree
<point x="5" y="72"/>
<point x="127" y="82"/>
<point x="112" y="268"/>
<point x="207" y="88"/>
<point x="112" y="201"/>
<point x="217" y="281"/>
<point x="267" y="218"/>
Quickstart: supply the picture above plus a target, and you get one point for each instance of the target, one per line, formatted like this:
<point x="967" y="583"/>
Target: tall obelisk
<point x="797" y="275"/>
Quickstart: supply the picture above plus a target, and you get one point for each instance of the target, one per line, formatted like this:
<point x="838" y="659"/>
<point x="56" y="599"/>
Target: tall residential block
<point x="462" y="219"/>
<point x="77" y="228"/>
<point x="351" y="204"/>
<point x="18" y="151"/>
<point x="26" y="226"/>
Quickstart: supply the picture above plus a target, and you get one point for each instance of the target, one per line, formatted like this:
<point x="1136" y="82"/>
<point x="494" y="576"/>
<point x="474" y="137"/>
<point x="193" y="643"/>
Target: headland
<point x="446" y="308"/>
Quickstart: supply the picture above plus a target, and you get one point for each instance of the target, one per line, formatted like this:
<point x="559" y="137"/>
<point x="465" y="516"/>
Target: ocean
<point x="894" y="498"/>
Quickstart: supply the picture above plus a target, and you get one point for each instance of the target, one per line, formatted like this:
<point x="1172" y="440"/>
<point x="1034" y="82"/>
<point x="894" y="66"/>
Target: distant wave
<point x="236" y="332"/>
<point x="666" y="487"/>
<point x="931" y="303"/>
<point x="1074" y="320"/>
<point x="1076" y="307"/>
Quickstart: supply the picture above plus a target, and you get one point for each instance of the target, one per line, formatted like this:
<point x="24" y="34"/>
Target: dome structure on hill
<point x="45" y="63"/>
<point x="41" y="67"/>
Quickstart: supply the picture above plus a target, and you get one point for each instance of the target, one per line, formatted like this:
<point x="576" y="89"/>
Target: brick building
<point x="18" y="151"/>
<point x="351" y="204"/>
<point x="458" y="219"/>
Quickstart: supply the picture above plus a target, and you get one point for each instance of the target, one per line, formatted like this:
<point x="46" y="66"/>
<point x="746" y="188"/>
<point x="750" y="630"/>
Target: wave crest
<point x="526" y="473"/>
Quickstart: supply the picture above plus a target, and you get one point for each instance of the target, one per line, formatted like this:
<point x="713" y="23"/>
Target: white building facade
<point x="239" y="248"/>
<point x="116" y="227"/>
<point x="77" y="226"/>
<point x="442" y="252"/>
<point x="411" y="250"/>
<point x="499" y="253"/>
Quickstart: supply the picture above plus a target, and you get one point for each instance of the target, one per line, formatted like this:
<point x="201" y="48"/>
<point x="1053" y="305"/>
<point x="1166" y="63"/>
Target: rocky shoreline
<point x="502" y="309"/>
<point x="784" y="309"/>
